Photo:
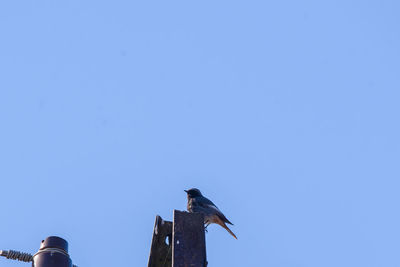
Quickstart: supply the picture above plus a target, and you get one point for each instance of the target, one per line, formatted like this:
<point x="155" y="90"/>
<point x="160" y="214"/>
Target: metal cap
<point x="54" y="242"/>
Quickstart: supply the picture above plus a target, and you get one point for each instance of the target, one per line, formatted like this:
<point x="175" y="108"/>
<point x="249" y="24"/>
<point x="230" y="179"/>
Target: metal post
<point x="188" y="245"/>
<point x="53" y="252"/>
<point x="160" y="252"/>
<point x="188" y="240"/>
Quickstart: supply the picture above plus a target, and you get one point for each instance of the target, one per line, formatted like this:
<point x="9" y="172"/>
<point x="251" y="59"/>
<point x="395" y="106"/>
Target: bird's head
<point x="193" y="192"/>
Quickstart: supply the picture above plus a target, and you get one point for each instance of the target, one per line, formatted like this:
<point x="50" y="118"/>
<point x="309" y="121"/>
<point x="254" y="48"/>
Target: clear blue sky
<point x="284" y="113"/>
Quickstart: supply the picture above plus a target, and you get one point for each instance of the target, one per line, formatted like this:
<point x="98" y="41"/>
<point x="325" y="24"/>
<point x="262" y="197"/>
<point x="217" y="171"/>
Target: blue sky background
<point x="284" y="113"/>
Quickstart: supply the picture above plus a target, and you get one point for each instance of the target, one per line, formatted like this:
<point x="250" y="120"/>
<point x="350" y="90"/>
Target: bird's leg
<point x="205" y="228"/>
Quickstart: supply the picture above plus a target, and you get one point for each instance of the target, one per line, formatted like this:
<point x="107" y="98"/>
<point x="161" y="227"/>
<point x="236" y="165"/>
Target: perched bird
<point x="199" y="203"/>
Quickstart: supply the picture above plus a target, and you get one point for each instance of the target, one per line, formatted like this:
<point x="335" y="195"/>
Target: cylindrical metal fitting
<point x="53" y="252"/>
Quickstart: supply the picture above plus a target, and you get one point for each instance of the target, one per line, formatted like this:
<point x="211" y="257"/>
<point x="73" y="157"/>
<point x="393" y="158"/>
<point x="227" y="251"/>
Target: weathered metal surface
<point x="161" y="252"/>
<point x="188" y="240"/>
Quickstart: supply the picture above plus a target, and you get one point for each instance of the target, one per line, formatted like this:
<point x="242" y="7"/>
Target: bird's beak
<point x="185" y="191"/>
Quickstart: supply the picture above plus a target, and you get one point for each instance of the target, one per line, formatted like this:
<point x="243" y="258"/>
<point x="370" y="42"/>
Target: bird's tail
<point x="220" y="222"/>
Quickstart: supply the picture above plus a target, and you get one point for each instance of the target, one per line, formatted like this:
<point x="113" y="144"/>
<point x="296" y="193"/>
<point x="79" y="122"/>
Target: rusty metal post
<point x="188" y="240"/>
<point x="53" y="252"/>
<point x="160" y="253"/>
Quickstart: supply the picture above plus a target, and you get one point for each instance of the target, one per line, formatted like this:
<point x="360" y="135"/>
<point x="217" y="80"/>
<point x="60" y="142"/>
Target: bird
<point x="199" y="203"/>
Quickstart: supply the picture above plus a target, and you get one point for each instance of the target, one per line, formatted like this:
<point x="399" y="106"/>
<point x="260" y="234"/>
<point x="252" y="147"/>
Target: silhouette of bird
<point x="199" y="203"/>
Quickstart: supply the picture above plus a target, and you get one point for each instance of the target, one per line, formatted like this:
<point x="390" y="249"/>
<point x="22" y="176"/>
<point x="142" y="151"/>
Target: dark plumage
<point x="199" y="203"/>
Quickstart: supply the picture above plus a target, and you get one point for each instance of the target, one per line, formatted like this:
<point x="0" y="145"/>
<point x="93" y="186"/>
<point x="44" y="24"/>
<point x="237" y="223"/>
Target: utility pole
<point x="53" y="252"/>
<point x="180" y="243"/>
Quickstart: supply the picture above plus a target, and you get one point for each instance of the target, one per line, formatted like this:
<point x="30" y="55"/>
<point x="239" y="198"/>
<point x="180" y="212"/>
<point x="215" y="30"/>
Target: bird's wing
<point x="206" y="203"/>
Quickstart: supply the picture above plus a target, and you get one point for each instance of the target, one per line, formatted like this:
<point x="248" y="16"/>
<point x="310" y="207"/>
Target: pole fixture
<point x="16" y="255"/>
<point x="161" y="252"/>
<point x="188" y="246"/>
<point x="53" y="252"/>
